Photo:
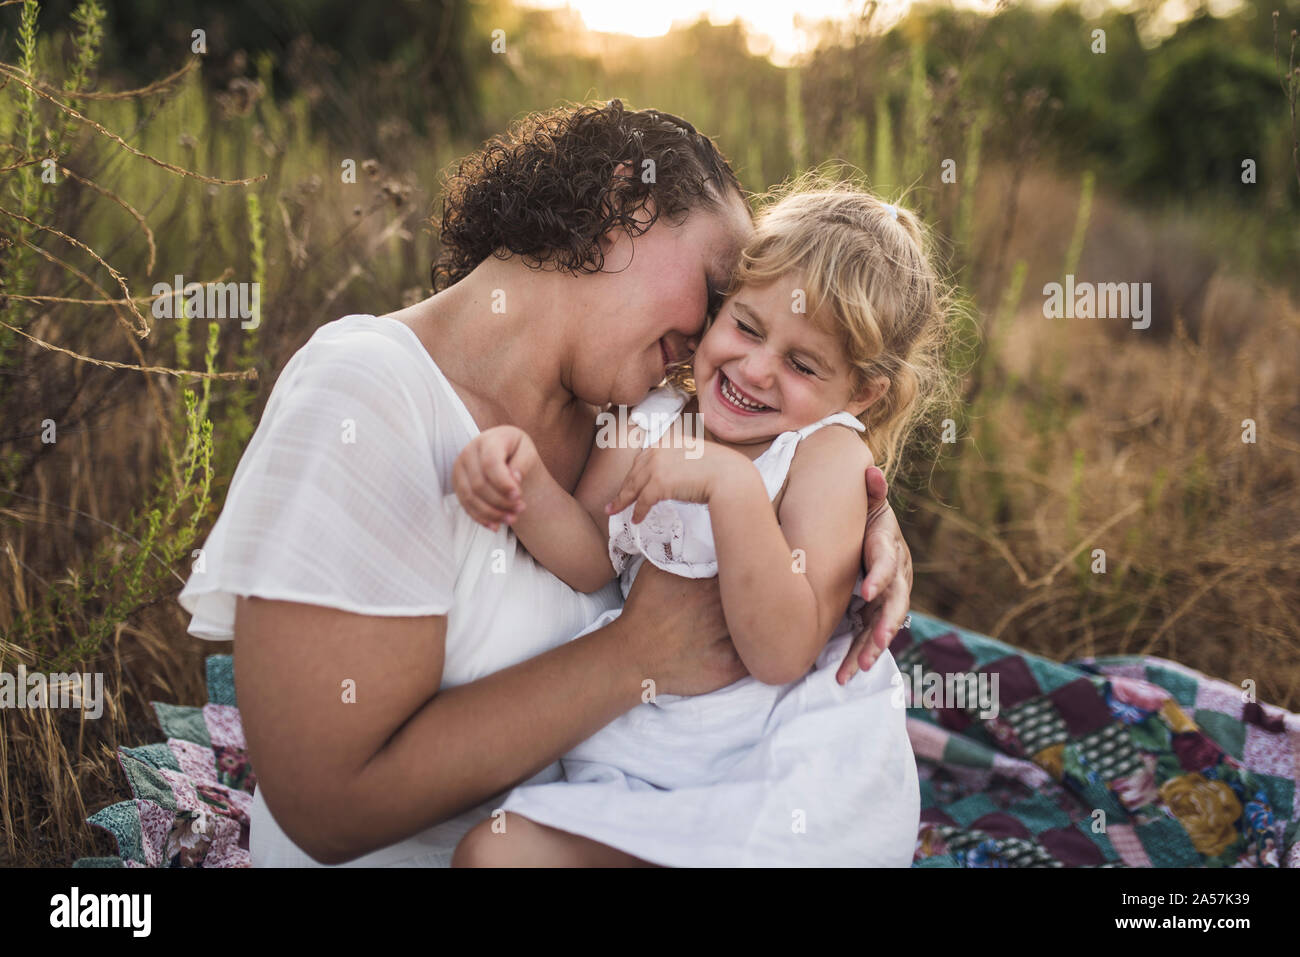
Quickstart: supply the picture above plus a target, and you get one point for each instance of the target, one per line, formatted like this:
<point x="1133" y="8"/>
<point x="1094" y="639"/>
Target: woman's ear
<point x="867" y="396"/>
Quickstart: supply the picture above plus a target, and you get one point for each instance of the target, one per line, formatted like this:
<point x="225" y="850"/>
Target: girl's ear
<point x="868" y="395"/>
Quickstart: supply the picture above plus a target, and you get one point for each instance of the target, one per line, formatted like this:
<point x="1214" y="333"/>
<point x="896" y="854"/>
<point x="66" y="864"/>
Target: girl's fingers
<point x="494" y="460"/>
<point x="480" y="501"/>
<point x="498" y="474"/>
<point x="468" y="499"/>
<point x="485" y="490"/>
<point x="639" y="487"/>
<point x="491" y="517"/>
<point x="486" y="509"/>
<point x="645" y="500"/>
<point x="627" y="494"/>
<point x="494" y="514"/>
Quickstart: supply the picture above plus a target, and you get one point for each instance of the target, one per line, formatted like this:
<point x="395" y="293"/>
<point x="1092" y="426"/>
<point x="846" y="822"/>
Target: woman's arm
<point x="887" y="587"/>
<point x="344" y="779"/>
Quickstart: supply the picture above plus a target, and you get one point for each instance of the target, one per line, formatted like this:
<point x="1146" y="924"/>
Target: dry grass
<point x="1093" y="435"/>
<point x="1080" y="434"/>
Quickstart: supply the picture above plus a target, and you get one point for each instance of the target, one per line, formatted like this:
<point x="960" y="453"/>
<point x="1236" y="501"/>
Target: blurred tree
<point x="1209" y="107"/>
<point x="425" y="46"/>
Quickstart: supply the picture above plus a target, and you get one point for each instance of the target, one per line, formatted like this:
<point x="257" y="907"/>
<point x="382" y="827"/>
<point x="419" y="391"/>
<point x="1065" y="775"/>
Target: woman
<point x="398" y="666"/>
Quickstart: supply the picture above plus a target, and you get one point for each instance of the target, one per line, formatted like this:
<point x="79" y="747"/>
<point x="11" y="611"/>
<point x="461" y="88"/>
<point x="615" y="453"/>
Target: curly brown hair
<point x="548" y="189"/>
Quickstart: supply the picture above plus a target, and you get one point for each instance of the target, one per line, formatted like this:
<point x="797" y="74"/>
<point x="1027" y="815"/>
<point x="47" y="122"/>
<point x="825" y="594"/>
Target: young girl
<point x="827" y="332"/>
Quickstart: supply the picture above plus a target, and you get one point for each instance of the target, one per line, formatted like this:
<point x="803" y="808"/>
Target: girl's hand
<point x="887" y="588"/>
<point x="662" y="472"/>
<point x="489" y="474"/>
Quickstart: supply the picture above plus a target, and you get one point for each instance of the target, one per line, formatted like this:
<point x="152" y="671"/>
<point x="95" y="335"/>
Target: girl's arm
<point x="785" y="586"/>
<point x="499" y="476"/>
<point x="572" y="531"/>
<point x="785" y="580"/>
<point x="561" y="534"/>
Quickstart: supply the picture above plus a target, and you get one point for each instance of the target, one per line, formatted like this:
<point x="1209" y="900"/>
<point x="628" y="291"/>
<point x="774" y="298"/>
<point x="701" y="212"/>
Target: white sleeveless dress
<point x="810" y="773"/>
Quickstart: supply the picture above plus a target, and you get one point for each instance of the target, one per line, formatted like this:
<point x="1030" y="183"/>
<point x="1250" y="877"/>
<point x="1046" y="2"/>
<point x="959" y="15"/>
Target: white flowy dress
<point x="343" y="499"/>
<point x="811" y="773"/>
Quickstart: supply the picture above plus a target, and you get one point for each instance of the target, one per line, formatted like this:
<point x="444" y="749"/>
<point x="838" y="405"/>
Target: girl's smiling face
<point x="763" y="368"/>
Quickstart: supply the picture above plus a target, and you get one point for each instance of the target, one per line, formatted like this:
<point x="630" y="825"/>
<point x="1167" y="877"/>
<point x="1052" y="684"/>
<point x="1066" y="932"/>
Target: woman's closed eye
<point x="715" y="298"/>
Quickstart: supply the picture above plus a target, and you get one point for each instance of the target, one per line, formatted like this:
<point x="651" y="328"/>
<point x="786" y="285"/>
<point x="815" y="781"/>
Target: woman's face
<point x="765" y="368"/>
<point x="648" y="306"/>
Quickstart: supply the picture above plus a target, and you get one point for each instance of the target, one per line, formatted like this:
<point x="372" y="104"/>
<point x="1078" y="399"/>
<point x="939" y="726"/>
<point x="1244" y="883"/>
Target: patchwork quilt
<point x="1023" y="761"/>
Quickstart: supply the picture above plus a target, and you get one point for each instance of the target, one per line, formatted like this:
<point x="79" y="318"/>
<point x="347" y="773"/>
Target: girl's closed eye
<point x="748" y="330"/>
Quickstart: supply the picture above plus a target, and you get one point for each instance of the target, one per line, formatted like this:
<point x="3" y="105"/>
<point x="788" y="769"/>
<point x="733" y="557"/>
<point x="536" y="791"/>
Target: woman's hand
<point x="665" y="472"/>
<point x="489" y="474"/>
<point x="887" y="588"/>
<point x="680" y="633"/>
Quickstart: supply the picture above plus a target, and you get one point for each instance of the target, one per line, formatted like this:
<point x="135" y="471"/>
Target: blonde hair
<point x="868" y="263"/>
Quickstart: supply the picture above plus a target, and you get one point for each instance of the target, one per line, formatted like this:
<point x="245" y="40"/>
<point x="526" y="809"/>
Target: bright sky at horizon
<point x="783" y="30"/>
<point x="777" y="24"/>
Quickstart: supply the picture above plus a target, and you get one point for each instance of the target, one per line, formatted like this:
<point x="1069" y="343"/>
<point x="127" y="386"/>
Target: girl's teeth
<point x="735" y="397"/>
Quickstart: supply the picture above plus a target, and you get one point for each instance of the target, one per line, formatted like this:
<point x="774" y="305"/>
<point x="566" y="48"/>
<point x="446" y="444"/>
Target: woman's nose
<point x="680" y="347"/>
